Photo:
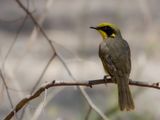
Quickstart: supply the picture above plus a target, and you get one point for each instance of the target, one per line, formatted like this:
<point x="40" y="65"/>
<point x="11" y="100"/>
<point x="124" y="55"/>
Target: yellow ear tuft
<point x="113" y="35"/>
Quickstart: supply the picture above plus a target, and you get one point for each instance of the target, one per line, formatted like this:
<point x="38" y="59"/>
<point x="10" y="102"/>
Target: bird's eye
<point x="106" y="27"/>
<point x="109" y="30"/>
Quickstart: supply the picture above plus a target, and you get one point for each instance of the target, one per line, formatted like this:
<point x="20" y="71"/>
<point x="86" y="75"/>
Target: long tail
<point x="124" y="94"/>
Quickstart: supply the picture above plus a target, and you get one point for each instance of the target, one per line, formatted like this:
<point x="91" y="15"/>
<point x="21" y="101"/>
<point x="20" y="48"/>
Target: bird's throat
<point x="103" y="34"/>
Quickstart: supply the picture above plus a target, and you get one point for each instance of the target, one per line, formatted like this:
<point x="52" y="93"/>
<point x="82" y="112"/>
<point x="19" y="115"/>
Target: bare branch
<point x="36" y="23"/>
<point x="43" y="72"/>
<point x="7" y="91"/>
<point x="13" y="43"/>
<point x="61" y="60"/>
<point x="89" y="84"/>
<point x="88" y="113"/>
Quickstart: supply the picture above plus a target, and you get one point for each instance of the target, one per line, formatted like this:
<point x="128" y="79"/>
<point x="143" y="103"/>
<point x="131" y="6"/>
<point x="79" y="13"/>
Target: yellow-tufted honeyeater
<point x="115" y="55"/>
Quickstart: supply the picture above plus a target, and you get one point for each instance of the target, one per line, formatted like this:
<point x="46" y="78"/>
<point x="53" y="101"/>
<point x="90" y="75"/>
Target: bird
<point x="115" y="55"/>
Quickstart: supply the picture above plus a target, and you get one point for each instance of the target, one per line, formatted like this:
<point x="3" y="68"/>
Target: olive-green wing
<point x="116" y="58"/>
<point x="107" y="61"/>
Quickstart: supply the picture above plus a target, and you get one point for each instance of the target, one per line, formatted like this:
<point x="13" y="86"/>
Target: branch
<point x="7" y="91"/>
<point x="60" y="58"/>
<point x="89" y="84"/>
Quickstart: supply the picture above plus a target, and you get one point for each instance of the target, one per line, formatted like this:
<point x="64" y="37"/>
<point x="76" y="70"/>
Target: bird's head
<point x="107" y="30"/>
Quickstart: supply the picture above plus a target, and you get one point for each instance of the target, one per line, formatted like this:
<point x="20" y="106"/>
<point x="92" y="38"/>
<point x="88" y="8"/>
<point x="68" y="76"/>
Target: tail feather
<point x="124" y="94"/>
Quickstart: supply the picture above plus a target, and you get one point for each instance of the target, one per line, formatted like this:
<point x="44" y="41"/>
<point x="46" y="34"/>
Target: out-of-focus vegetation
<point x="67" y="22"/>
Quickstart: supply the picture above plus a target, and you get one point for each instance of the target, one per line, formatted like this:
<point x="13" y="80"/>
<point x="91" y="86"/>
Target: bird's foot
<point x="106" y="78"/>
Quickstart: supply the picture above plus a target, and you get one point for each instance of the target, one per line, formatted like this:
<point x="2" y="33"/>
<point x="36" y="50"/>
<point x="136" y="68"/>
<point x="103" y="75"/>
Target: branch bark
<point x="89" y="84"/>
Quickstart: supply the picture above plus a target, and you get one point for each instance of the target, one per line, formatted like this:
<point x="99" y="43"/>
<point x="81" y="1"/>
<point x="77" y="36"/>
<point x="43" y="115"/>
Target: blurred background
<point x="24" y="53"/>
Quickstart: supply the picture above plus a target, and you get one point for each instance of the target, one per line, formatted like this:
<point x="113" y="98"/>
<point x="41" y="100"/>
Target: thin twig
<point x="84" y="93"/>
<point x="89" y="84"/>
<point x="93" y="106"/>
<point x="88" y="113"/>
<point x="5" y="59"/>
<point x="45" y="35"/>
<point x="40" y="79"/>
<point x="36" y="23"/>
<point x="43" y="72"/>
<point x="7" y="91"/>
<point x="13" y="43"/>
<point x="6" y="87"/>
<point x="60" y="58"/>
<point x="39" y="109"/>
